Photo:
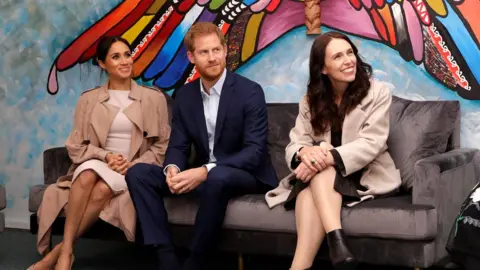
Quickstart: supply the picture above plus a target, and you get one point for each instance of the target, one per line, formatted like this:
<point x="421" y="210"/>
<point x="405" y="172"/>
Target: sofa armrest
<point x="3" y="198"/>
<point x="55" y="164"/>
<point x="476" y="161"/>
<point x="443" y="181"/>
<point x="35" y="197"/>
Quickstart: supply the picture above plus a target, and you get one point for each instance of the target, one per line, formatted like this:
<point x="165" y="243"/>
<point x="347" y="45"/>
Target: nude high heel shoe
<point x="71" y="264"/>
<point x="32" y="267"/>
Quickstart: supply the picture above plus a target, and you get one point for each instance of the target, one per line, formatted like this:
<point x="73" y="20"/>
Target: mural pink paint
<point x="441" y="35"/>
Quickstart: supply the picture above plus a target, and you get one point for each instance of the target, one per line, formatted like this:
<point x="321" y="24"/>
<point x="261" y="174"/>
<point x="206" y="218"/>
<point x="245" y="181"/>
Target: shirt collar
<point x="218" y="85"/>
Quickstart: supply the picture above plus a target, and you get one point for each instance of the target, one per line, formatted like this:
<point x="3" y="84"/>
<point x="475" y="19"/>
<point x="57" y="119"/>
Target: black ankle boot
<point x="342" y="258"/>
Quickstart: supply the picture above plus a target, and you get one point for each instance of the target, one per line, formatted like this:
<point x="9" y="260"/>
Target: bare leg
<point x="329" y="205"/>
<point x="327" y="200"/>
<point x="99" y="197"/>
<point x="77" y="203"/>
<point x="310" y="232"/>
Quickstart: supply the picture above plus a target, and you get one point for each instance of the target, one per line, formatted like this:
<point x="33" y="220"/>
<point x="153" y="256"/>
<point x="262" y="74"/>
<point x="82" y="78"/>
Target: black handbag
<point x="463" y="243"/>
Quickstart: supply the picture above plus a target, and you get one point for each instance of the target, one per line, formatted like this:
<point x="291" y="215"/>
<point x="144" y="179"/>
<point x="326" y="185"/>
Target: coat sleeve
<point x="78" y="146"/>
<point x="372" y="137"/>
<point x="180" y="142"/>
<point x="156" y="153"/>
<point x="301" y="133"/>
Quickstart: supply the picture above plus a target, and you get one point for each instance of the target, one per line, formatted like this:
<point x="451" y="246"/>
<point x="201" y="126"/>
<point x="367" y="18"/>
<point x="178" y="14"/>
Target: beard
<point x="211" y="73"/>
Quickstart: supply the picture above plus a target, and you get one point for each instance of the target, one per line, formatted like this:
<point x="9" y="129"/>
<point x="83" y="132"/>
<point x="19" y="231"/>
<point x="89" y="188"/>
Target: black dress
<point x="347" y="186"/>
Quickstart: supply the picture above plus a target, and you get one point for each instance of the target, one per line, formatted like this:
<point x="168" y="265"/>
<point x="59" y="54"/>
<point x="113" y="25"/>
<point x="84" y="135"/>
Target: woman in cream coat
<point x="338" y="152"/>
<point x="115" y="126"/>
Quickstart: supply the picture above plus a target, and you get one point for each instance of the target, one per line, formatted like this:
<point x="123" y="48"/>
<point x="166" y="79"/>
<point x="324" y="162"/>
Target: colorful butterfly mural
<point x="441" y="35"/>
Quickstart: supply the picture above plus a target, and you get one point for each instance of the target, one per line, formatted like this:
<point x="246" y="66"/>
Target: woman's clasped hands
<point x="314" y="160"/>
<point x="118" y="163"/>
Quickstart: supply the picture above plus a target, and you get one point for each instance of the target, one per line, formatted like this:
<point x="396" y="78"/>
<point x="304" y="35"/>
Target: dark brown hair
<point x="104" y="45"/>
<point x="202" y="29"/>
<point x="324" y="112"/>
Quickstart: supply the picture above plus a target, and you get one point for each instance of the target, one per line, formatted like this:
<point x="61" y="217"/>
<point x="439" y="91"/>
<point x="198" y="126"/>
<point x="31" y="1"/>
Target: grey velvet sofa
<point x="409" y="229"/>
<point x="3" y="204"/>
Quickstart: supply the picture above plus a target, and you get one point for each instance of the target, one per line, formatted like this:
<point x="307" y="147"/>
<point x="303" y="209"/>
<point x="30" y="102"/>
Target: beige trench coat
<point x="92" y="121"/>
<point x="364" y="145"/>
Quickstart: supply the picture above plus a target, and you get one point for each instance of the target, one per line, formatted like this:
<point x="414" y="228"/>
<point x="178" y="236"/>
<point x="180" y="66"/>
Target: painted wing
<point x="156" y="29"/>
<point x="432" y="33"/>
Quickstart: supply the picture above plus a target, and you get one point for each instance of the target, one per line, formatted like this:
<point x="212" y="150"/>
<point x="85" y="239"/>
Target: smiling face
<point x="118" y="61"/>
<point x="340" y="62"/>
<point x="208" y="56"/>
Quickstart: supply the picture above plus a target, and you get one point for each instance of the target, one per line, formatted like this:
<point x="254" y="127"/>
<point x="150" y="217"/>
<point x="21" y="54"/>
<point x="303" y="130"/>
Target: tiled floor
<point x="17" y="251"/>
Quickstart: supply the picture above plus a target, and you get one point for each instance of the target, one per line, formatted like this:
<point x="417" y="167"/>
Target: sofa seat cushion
<point x="392" y="218"/>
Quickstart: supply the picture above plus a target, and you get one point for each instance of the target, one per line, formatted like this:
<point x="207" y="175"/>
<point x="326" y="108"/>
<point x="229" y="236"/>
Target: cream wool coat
<point x="364" y="145"/>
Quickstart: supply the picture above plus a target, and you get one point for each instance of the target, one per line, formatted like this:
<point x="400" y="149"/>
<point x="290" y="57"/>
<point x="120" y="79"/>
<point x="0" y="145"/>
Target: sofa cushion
<point x="393" y="218"/>
<point x="55" y="164"/>
<point x="3" y="198"/>
<point x="419" y="129"/>
<point x="281" y="119"/>
<point x="35" y="197"/>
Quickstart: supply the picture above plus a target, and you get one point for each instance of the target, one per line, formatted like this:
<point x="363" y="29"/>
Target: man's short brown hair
<point x="202" y="29"/>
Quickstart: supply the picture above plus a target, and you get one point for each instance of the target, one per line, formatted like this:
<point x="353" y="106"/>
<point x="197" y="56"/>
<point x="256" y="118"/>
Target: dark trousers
<point x="147" y="186"/>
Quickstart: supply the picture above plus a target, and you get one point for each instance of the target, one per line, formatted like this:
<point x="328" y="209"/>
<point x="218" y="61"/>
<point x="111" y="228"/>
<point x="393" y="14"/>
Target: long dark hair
<point x="324" y="112"/>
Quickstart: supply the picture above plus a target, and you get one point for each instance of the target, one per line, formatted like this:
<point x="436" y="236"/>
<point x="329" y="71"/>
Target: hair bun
<point x="95" y="61"/>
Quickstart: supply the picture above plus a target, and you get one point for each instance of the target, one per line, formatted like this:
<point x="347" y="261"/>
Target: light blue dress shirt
<point x="210" y="109"/>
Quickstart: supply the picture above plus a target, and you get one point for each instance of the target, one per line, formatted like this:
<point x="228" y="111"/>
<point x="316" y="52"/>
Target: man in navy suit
<point x="224" y="116"/>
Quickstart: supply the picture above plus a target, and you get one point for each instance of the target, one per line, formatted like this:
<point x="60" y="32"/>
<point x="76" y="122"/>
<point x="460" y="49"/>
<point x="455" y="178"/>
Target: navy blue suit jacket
<point x="240" y="132"/>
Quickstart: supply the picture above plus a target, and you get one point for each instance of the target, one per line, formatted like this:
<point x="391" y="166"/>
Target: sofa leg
<point x="240" y="261"/>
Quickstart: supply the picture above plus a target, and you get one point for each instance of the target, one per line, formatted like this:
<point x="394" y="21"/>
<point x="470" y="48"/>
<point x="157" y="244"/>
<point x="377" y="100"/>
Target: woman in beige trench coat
<point x="115" y="126"/>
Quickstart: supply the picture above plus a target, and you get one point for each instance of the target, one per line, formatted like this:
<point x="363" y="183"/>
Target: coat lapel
<point x="354" y="120"/>
<point x="134" y="113"/>
<point x="102" y="116"/>
<point x="199" y="114"/>
<point x="228" y="92"/>
<point x="352" y="124"/>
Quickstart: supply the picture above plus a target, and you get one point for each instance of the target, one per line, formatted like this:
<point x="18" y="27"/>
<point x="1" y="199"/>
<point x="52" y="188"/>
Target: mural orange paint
<point x="438" y="34"/>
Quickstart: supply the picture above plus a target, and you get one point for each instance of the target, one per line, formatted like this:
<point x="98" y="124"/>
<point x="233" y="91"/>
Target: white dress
<point x="118" y="142"/>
